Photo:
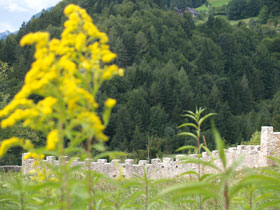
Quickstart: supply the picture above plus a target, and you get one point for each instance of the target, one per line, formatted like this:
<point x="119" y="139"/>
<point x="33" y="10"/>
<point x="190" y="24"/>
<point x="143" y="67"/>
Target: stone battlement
<point x="253" y="156"/>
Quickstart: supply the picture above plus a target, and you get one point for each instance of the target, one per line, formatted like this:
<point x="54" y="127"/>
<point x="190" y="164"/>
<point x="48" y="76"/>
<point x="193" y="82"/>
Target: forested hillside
<point x="171" y="65"/>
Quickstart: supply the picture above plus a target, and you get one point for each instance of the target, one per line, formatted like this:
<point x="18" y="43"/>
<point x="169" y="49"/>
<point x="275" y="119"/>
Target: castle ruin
<point x="251" y="156"/>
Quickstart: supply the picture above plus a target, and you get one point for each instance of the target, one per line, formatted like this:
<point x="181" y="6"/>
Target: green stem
<point x="226" y="196"/>
<point x="62" y="199"/>
<point x="68" y="198"/>
<point x="90" y="190"/>
<point x="198" y="165"/>
<point x="22" y="201"/>
<point x="251" y="199"/>
<point x="61" y="151"/>
<point x="147" y="196"/>
<point x="65" y="191"/>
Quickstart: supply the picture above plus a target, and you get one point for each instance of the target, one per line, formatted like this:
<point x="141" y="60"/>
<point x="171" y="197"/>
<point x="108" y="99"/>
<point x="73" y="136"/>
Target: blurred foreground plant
<point x="221" y="185"/>
<point x="198" y="120"/>
<point x="66" y="75"/>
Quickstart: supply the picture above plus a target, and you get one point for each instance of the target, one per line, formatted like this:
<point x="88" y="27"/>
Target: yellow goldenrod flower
<point x="6" y="144"/>
<point x="34" y="156"/>
<point x="42" y="175"/>
<point x="121" y="72"/>
<point x="52" y="140"/>
<point x="110" y="103"/>
<point x="14" y="104"/>
<point x="80" y="41"/>
<point x="66" y="74"/>
<point x="40" y="38"/>
<point x="86" y="65"/>
<point x="108" y="57"/>
<point x="68" y="65"/>
<point x="45" y="105"/>
<point x="33" y="171"/>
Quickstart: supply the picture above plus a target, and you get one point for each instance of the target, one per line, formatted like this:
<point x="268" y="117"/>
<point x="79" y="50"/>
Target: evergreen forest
<point x="171" y="64"/>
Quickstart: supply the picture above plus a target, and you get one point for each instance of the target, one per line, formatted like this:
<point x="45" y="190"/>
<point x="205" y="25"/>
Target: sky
<point x="14" y="12"/>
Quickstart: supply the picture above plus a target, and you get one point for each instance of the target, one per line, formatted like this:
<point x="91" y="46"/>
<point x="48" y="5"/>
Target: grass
<point x="232" y="22"/>
<point x="6" y="178"/>
<point x="202" y="8"/>
<point x="246" y="20"/>
<point x="116" y="193"/>
<point x="218" y="3"/>
<point x="213" y="3"/>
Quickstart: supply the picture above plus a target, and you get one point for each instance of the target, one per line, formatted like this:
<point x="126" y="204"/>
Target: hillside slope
<point x="171" y="66"/>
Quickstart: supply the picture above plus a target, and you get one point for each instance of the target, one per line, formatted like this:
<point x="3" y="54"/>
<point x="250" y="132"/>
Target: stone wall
<point x="11" y="168"/>
<point x="251" y="156"/>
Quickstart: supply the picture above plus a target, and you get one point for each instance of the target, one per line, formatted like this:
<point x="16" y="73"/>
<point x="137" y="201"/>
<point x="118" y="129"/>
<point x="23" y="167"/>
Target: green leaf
<point x="199" y="112"/>
<point x="156" y="182"/>
<point x="220" y="144"/>
<point x="236" y="188"/>
<point x="275" y="159"/>
<point x="261" y="181"/>
<point x="234" y="165"/>
<point x="204" y="176"/>
<point x="269" y="204"/>
<point x="190" y="116"/>
<point x="270" y="172"/>
<point x="188" y="125"/>
<point x="205" y="117"/>
<point x="188" y="134"/>
<point x="189" y="173"/>
<point x="99" y="147"/>
<point x="264" y="197"/>
<point x="132" y="184"/>
<point x="186" y="148"/>
<point x="206" y="149"/>
<point x="190" y="112"/>
<point x="193" y="188"/>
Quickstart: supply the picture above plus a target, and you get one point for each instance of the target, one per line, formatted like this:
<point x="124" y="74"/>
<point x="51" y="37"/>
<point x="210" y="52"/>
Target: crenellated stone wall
<point x="252" y="156"/>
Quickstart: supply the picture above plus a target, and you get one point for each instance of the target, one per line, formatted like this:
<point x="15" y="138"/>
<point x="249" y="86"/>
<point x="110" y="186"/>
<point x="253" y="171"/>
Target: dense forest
<point x="238" y="9"/>
<point x="171" y="65"/>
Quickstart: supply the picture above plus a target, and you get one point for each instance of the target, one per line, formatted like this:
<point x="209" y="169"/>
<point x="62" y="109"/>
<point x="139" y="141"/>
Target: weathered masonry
<point x="253" y="156"/>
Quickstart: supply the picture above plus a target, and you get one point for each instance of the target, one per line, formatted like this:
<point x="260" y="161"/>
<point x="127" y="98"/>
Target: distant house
<point x="192" y="11"/>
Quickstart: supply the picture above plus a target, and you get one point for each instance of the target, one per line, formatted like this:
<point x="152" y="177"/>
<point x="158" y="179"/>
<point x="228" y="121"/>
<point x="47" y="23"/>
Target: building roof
<point x="191" y="10"/>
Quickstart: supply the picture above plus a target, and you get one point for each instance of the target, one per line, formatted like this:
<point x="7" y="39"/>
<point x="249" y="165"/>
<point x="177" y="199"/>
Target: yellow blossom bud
<point x="110" y="103"/>
<point x="121" y="72"/>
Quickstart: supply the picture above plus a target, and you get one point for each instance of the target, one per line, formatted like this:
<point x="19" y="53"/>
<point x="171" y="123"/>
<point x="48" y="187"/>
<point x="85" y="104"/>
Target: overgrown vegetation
<point x="61" y="100"/>
<point x="172" y="65"/>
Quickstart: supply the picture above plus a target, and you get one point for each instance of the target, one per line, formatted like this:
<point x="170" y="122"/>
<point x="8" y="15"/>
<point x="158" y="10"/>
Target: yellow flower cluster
<point x="14" y="104"/>
<point x="45" y="105"/>
<point x="34" y="156"/>
<point x="14" y="141"/>
<point x="67" y="74"/>
<point x="52" y="139"/>
<point x="94" y="122"/>
<point x="39" y="175"/>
